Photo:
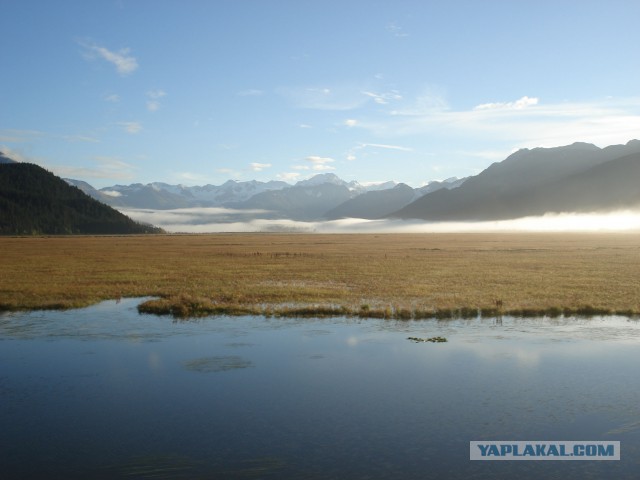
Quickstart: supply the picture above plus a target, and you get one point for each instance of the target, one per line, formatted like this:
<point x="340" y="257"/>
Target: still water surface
<point x="106" y="393"/>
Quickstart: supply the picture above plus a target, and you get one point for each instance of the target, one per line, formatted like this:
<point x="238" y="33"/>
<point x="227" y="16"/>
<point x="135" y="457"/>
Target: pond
<point x="104" y="392"/>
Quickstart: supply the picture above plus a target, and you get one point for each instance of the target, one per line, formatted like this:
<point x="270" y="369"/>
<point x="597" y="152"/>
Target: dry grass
<point x="400" y="276"/>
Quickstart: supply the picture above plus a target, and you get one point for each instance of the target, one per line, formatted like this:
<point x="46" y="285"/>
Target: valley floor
<point x="385" y="275"/>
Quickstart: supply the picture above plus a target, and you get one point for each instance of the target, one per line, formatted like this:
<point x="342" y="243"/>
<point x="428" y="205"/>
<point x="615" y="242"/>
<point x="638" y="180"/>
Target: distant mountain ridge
<point x="309" y="199"/>
<point x="576" y="178"/>
<point x="5" y="159"/>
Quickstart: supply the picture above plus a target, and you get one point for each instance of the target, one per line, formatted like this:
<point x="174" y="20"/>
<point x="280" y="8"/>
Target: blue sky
<point x="197" y="92"/>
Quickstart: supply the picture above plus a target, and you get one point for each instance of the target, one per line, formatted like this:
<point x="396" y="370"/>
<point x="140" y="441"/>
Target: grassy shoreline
<point x="399" y="276"/>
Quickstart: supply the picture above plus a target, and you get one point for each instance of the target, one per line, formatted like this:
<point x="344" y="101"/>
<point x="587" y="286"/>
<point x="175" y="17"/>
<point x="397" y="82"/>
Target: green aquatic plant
<point x="430" y="339"/>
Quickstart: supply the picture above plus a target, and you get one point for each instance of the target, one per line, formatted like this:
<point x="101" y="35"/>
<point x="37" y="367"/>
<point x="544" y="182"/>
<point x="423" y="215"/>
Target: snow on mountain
<point x="235" y="194"/>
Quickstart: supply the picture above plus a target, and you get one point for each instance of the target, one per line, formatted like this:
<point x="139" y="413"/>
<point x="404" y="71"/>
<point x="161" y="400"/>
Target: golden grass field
<point x="386" y="275"/>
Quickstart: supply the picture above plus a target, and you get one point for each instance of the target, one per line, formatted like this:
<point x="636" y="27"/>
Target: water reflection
<point x="106" y="393"/>
<point x="217" y="364"/>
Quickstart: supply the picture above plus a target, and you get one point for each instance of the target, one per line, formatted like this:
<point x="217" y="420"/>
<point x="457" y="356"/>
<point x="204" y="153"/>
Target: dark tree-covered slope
<point x="34" y="201"/>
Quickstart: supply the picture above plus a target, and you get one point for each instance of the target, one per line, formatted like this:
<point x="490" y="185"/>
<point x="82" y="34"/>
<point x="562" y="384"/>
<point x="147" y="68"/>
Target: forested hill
<point x="34" y="201"/>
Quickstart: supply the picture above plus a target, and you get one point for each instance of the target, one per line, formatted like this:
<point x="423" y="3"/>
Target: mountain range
<point x="575" y="178"/>
<point x="580" y="178"/>
<point x="323" y="196"/>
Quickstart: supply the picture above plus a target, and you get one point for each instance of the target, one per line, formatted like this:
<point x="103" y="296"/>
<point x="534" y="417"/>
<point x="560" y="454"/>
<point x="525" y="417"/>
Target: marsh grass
<point x="406" y="276"/>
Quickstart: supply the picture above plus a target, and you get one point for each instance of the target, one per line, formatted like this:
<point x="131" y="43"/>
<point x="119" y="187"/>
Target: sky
<point x="199" y="92"/>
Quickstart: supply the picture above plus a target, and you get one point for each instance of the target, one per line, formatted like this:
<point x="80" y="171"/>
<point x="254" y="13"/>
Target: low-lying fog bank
<point x="218" y="220"/>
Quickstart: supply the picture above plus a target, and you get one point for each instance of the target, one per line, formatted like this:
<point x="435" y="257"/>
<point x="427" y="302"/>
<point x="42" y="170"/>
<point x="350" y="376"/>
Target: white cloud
<point x="351" y="154"/>
<point x="113" y="98"/>
<point x="396" y="30"/>
<point x="154" y="96"/>
<point x="383" y="98"/>
<point x="322" y="168"/>
<point x="288" y="176"/>
<point x="301" y="167"/>
<point x="191" y="177"/>
<point x="518" y="124"/>
<point x="124" y="63"/>
<point x="319" y="160"/>
<point x="320" y="164"/>
<point x="258" y="167"/>
<point x="112" y="193"/>
<point x="304" y="125"/>
<point x="350" y="122"/>
<point x="17" y="156"/>
<point x="131" y="127"/>
<point x="387" y="147"/>
<point x="523" y="102"/>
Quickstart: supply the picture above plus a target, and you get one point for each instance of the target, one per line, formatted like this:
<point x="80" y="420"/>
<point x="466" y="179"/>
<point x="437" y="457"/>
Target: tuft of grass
<point x="187" y="306"/>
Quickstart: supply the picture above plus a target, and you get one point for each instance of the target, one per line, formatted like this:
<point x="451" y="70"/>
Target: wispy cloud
<point x="320" y="164"/>
<point x="26" y="136"/>
<point x="230" y="172"/>
<point x="131" y="127"/>
<point x="319" y="160"/>
<point x="16" y="155"/>
<point x="525" y="122"/>
<point x="153" y="99"/>
<point x="339" y="97"/>
<point x="523" y="102"/>
<point x="191" y="177"/>
<point x="251" y="92"/>
<point x="387" y="147"/>
<point x="352" y="154"/>
<point x="112" y="98"/>
<point x="20" y="136"/>
<point x="80" y="138"/>
<point x="396" y="30"/>
<point x="383" y="98"/>
<point x="125" y="63"/>
<point x="258" y="167"/>
<point x="113" y="168"/>
<point x="288" y="176"/>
